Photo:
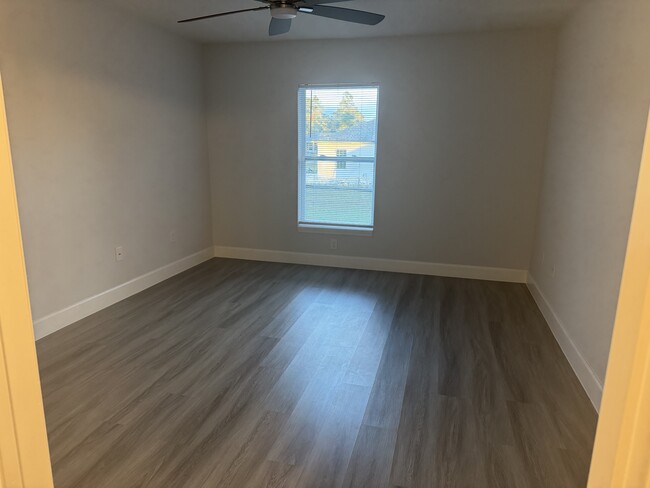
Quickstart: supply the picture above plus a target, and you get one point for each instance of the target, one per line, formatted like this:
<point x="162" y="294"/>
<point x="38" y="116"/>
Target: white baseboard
<point x="375" y="264"/>
<point x="590" y="382"/>
<point x="69" y="315"/>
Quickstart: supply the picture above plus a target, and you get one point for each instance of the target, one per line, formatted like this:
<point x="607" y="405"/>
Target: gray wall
<point x="108" y="136"/>
<point x="601" y="100"/>
<point x="463" y="123"/>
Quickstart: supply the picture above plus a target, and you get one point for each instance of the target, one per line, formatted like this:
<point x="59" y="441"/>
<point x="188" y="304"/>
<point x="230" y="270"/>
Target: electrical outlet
<point x="334" y="244"/>
<point x="119" y="253"/>
<point x="172" y="236"/>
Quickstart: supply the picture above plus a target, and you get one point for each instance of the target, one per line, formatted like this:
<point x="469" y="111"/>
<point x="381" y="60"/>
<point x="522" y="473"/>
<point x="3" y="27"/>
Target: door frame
<point x="621" y="456"/>
<point x="24" y="452"/>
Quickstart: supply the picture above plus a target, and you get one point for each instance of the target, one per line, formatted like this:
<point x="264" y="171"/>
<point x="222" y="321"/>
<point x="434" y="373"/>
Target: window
<point x="337" y="150"/>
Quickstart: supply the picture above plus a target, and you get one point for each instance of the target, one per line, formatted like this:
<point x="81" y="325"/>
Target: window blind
<point x="337" y="150"/>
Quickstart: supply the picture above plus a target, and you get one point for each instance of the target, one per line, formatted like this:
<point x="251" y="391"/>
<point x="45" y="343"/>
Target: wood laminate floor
<point x="248" y="374"/>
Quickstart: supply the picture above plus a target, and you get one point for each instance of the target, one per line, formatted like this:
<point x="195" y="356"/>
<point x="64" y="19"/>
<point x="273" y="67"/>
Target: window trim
<point x="335" y="229"/>
<point x="314" y="227"/>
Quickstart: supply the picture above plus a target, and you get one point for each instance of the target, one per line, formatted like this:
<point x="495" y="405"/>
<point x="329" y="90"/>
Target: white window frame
<point x="324" y="228"/>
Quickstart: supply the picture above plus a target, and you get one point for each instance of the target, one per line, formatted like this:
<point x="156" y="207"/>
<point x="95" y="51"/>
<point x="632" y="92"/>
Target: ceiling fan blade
<point x="346" y="14"/>
<point x="311" y="3"/>
<point x="279" y="26"/>
<point x="222" y="14"/>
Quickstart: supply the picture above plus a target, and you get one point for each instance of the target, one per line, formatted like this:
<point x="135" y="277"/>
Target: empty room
<point x="324" y="243"/>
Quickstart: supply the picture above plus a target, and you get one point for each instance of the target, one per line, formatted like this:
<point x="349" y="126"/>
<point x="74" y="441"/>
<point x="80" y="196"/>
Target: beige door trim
<point x="621" y="455"/>
<point x="24" y="454"/>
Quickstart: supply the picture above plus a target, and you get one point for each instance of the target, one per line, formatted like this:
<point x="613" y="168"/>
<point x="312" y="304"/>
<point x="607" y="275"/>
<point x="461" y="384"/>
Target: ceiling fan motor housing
<point x="283" y="11"/>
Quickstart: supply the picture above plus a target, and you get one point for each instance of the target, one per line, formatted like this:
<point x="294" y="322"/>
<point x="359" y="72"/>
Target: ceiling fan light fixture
<point x="284" y="12"/>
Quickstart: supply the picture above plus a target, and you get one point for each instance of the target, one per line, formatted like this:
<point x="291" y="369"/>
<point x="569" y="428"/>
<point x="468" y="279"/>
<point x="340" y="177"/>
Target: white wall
<point x="462" y="128"/>
<point x="601" y="99"/>
<point x="108" y="137"/>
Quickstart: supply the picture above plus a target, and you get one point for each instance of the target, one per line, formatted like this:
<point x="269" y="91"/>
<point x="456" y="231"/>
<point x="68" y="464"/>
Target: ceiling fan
<point x="282" y="12"/>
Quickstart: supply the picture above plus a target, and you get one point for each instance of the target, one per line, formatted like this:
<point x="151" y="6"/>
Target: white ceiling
<point x="403" y="17"/>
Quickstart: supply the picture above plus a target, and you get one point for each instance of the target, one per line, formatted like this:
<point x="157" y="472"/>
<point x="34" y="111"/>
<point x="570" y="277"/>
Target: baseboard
<point x="590" y="382"/>
<point x="375" y="264"/>
<point x="69" y="315"/>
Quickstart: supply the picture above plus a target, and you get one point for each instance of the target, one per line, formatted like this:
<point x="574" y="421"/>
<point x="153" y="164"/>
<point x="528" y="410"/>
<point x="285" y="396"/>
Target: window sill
<point x="335" y="229"/>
